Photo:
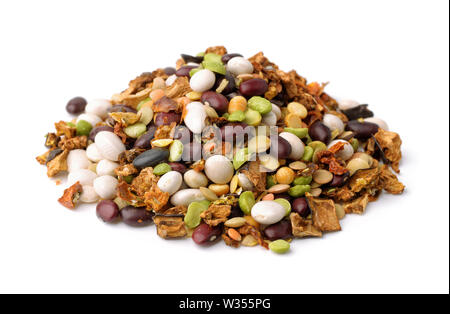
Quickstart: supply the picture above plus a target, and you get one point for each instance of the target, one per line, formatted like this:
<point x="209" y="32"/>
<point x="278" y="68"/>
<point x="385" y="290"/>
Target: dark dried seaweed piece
<point x="360" y="111"/>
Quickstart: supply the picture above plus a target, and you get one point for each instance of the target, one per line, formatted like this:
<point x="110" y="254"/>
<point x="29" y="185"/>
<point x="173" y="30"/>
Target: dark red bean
<point x="163" y="118"/>
<point x="97" y="129"/>
<point x="231" y="85"/>
<point x="320" y="132"/>
<point x="280" y="230"/>
<point x="179" y="167"/>
<point x="136" y="216"/>
<point x="205" y="234"/>
<point x="189" y="58"/>
<point x="169" y="70"/>
<point x="362" y="130"/>
<point x="217" y="101"/>
<point x="301" y="207"/>
<point x="283" y="148"/>
<point x="107" y="210"/>
<point x="253" y="87"/>
<point x="232" y="131"/>
<point x="121" y="108"/>
<point x="338" y="180"/>
<point x="184" y="71"/>
<point x="143" y="141"/>
<point x="227" y="57"/>
<point x="76" y="105"/>
<point x="192" y="152"/>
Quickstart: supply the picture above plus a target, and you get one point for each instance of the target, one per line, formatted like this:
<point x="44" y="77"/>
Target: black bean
<point x="98" y="129"/>
<point x="362" y="130"/>
<point x="253" y="87"/>
<point x="107" y="210"/>
<point x="360" y="111"/>
<point x="194" y="59"/>
<point x="150" y="158"/>
<point x="217" y="101"/>
<point x="227" y="57"/>
<point x="143" y="141"/>
<point x="136" y="216"/>
<point x="320" y="132"/>
<point x="76" y="105"/>
<point x="280" y="230"/>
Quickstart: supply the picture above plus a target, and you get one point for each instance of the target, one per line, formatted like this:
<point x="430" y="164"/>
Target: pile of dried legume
<point x="224" y="147"/>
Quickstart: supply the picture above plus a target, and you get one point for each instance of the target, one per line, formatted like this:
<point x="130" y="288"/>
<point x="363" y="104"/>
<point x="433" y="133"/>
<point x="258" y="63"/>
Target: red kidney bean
<point x="169" y="70"/>
<point x="301" y="207"/>
<point x="166" y="118"/>
<point x="231" y="131"/>
<point x="253" y="87"/>
<point x="320" y="132"/>
<point x="360" y="111"/>
<point x="136" y="216"/>
<point x="189" y="58"/>
<point x="192" y="152"/>
<point x="362" y="130"/>
<point x="179" y="167"/>
<point x="227" y="57"/>
<point x="338" y="180"/>
<point x="280" y="230"/>
<point x="205" y="234"/>
<point x="217" y="101"/>
<point x="107" y="210"/>
<point x="282" y="150"/>
<point x="143" y="141"/>
<point x="184" y="70"/>
<point x="97" y="129"/>
<point x="76" y="105"/>
<point x="121" y="108"/>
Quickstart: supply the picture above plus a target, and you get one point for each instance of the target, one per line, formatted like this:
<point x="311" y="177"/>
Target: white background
<point x="390" y="54"/>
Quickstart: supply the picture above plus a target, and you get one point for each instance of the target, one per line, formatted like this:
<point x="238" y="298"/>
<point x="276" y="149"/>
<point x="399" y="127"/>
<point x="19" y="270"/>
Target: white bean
<point x="381" y="123"/>
<point x="333" y="122"/>
<point x="202" y="80"/>
<point x="99" y="107"/>
<point x="269" y="119"/>
<point x="106" y="167"/>
<point x="90" y="118"/>
<point x="84" y="176"/>
<point x="93" y="153"/>
<point x="298" y="148"/>
<point x="195" y="179"/>
<point x="268" y="212"/>
<point x="170" y="182"/>
<point x="89" y="195"/>
<point x="171" y="79"/>
<point x="345" y="104"/>
<point x="195" y="117"/>
<point x="186" y="197"/>
<point x="346" y="153"/>
<point x="219" y="169"/>
<point x="105" y="186"/>
<point x="109" y="145"/>
<point x="239" y="65"/>
<point x="277" y="111"/>
<point x="77" y="159"/>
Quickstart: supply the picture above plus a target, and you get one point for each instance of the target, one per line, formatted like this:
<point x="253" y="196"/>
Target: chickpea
<point x="285" y="175"/>
<point x="237" y="103"/>
<point x="298" y="109"/>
